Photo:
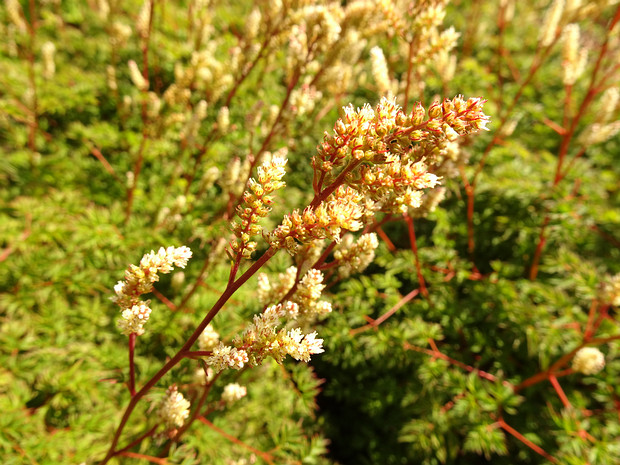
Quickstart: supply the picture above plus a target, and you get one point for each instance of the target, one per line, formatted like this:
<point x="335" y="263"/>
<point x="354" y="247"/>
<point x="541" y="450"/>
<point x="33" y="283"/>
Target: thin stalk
<point x="132" y="369"/>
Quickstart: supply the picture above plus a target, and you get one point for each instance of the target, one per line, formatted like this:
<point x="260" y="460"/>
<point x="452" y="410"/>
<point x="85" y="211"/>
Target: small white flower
<point x="233" y="392"/>
<point x="588" y="361"/>
<point x="208" y="339"/>
<point x="174" y="409"/>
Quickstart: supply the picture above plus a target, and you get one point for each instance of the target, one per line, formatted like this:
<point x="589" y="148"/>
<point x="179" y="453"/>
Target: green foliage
<point x="443" y="351"/>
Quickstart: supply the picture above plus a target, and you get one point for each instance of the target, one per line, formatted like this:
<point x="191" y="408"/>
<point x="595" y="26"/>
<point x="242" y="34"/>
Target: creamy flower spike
<point x="377" y="159"/>
<point x="354" y="257"/>
<point x="139" y="280"/>
<point x="257" y="201"/>
<point x="233" y="392"/>
<point x="261" y="340"/>
<point x="174" y="408"/>
<point x="208" y="339"/>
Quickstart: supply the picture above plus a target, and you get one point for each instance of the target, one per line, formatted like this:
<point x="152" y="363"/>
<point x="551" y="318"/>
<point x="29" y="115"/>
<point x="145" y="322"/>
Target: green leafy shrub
<point x="469" y="318"/>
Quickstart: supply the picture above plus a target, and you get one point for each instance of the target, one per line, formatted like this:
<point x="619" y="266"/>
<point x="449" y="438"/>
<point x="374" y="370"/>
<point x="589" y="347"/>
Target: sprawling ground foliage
<point x="477" y="334"/>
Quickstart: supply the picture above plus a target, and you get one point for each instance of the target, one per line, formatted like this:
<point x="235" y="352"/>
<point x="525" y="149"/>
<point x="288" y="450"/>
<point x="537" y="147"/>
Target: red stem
<point x="414" y="248"/>
<point x="539" y="450"/>
<point x="132" y="372"/>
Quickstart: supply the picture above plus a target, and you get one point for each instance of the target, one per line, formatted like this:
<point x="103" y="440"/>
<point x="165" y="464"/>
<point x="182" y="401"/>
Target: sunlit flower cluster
<point x="306" y="297"/>
<point x="262" y="339"/>
<point x="376" y="159"/>
<point x="233" y="392"/>
<point x="354" y="256"/>
<point x="257" y="201"/>
<point x="139" y="280"/>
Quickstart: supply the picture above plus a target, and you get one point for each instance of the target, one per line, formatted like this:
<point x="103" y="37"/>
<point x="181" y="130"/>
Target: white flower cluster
<point x="139" y="280"/>
<point x="233" y="392"/>
<point x="261" y="340"/>
<point x="380" y="71"/>
<point x="133" y="319"/>
<point x="306" y="297"/>
<point x="354" y="257"/>
<point x="588" y="361"/>
<point x="174" y="408"/>
<point x="208" y="339"/>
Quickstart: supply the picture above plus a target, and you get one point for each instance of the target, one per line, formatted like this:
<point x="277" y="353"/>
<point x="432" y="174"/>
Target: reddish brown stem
<point x="375" y="323"/>
<point x="132" y="372"/>
<point x="558" y="389"/>
<point x="148" y="458"/>
<point x="539" y="450"/>
<point x="144" y="113"/>
<point x="263" y="455"/>
<point x="32" y="31"/>
<point x="414" y="249"/>
<point x="436" y="353"/>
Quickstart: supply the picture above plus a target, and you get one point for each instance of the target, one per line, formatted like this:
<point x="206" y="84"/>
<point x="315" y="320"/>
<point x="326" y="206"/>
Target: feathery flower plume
<point x="588" y="361"/>
<point x="136" y="76"/>
<point x="549" y="27"/>
<point x="233" y="392"/>
<point x="380" y="70"/>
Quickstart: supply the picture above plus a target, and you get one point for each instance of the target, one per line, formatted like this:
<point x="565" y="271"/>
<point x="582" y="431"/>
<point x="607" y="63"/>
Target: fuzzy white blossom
<point x="380" y="70"/>
<point x="224" y="356"/>
<point x="143" y="20"/>
<point x="136" y="76"/>
<point x="588" y="361"/>
<point x="48" y="49"/>
<point x="174" y="408"/>
<point x="208" y="339"/>
<point x="133" y="319"/>
<point x="551" y="22"/>
<point x="139" y="280"/>
<point x="15" y="13"/>
<point x="223" y="119"/>
<point x="575" y="58"/>
<point x="233" y="392"/>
